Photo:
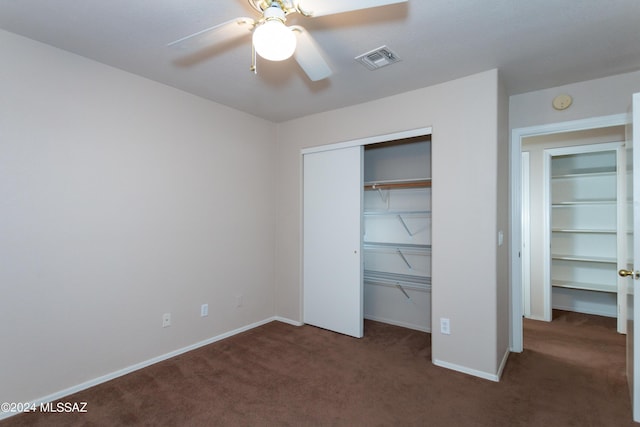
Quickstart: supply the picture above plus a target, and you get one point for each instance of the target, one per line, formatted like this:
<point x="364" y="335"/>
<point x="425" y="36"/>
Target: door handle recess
<point x="626" y="273"/>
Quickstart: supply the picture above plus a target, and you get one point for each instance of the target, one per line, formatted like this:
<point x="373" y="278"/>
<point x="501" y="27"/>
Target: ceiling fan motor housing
<point x="263" y="5"/>
<point x="274" y="12"/>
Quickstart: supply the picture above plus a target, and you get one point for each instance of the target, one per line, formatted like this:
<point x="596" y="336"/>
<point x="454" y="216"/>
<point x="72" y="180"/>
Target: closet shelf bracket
<point x="399" y="286"/>
<point x="404" y="259"/>
<point x="404" y="224"/>
<point x="385" y="198"/>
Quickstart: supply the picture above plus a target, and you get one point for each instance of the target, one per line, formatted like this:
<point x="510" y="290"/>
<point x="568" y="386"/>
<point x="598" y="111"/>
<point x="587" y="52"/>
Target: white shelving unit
<point x="585" y="224"/>
<point x="583" y="242"/>
<point x="397" y="249"/>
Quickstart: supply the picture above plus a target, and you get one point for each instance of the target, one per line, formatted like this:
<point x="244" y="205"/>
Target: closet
<point x="367" y="233"/>
<point x="574" y="223"/>
<point x="588" y="236"/>
<point x="584" y="220"/>
<point x="397" y="233"/>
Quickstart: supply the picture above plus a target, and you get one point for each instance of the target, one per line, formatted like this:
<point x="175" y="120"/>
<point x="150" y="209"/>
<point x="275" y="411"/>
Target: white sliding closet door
<point x="332" y="277"/>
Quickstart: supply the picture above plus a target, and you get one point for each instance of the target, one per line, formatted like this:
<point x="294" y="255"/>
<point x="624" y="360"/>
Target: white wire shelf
<point x="406" y="281"/>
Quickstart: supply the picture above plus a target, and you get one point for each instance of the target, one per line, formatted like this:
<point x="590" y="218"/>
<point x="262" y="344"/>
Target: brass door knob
<point x="626" y="273"/>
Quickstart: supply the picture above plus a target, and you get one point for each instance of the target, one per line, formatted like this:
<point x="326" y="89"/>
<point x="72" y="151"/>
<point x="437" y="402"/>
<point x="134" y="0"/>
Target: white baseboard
<point x="539" y="318"/>
<point x="398" y="323"/>
<point x="468" y="371"/>
<point x="596" y="312"/>
<point x="288" y="321"/>
<point x="113" y="375"/>
<point x="503" y="363"/>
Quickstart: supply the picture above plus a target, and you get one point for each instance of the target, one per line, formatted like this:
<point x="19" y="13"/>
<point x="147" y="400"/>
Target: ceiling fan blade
<point x="225" y="31"/>
<point x="309" y="56"/>
<point x="330" y="7"/>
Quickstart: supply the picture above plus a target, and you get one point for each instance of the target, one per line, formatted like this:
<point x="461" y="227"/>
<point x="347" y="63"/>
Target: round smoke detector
<point x="562" y="102"/>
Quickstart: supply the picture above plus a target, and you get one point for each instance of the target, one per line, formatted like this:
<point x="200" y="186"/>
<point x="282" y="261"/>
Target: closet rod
<point x="390" y="185"/>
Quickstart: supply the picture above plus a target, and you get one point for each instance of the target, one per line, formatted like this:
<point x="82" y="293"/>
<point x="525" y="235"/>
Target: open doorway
<point x="576" y="214"/>
<point x="520" y="243"/>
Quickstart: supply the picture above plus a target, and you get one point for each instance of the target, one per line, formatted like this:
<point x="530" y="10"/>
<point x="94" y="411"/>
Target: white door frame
<point x="526" y="234"/>
<point x="515" y="166"/>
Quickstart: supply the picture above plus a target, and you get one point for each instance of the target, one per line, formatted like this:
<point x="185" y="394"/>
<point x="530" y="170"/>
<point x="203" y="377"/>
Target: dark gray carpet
<point x="570" y="374"/>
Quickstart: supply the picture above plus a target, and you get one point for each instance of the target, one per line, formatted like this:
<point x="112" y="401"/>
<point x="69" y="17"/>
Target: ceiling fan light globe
<point x="274" y="41"/>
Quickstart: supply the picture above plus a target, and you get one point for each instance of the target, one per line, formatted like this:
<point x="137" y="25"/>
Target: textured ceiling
<point x="536" y="44"/>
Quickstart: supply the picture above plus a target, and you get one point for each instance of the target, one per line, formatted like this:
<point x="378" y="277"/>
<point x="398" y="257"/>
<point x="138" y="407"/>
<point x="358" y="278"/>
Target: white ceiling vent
<point x="378" y="58"/>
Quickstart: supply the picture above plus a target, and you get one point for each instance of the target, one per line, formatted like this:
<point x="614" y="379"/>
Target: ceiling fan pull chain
<point x="254" y="66"/>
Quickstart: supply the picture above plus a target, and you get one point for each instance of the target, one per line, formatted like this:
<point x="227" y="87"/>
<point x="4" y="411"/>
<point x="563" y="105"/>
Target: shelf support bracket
<point x="404" y="259"/>
<point x="399" y="286"/>
<point x="404" y="224"/>
<point x="381" y="194"/>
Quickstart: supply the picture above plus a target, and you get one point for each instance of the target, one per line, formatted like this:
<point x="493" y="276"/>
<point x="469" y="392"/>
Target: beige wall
<point x="122" y="199"/>
<point x="464" y="116"/>
<point x="592" y="98"/>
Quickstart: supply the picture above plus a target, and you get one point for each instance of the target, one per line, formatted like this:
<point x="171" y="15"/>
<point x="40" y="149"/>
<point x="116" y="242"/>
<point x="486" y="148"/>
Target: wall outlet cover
<point x="445" y="327"/>
<point x="166" y="320"/>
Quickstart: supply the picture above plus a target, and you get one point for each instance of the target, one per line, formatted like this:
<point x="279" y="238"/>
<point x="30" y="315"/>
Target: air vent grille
<point x="378" y="58"/>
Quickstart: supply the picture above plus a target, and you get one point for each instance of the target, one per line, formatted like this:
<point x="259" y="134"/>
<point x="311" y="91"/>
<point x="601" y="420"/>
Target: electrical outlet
<point x="239" y="300"/>
<point x="445" y="327"/>
<point x="166" y="320"/>
<point x="204" y="310"/>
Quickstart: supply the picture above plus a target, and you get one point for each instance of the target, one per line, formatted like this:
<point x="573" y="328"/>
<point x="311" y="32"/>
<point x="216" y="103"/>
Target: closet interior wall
<point x="397" y="233"/>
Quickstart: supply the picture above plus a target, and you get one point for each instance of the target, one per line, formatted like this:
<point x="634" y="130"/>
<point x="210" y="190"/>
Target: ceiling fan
<point x="273" y="39"/>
